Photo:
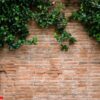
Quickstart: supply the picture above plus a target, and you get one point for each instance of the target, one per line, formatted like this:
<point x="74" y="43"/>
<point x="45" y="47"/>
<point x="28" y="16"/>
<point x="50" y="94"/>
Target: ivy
<point x="89" y="15"/>
<point x="14" y="17"/>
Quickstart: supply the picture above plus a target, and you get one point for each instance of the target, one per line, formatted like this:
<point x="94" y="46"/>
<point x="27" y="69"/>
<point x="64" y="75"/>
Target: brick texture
<point x="43" y="72"/>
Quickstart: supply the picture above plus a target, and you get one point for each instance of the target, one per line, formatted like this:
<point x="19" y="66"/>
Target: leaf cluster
<point x="14" y="17"/>
<point x="89" y="15"/>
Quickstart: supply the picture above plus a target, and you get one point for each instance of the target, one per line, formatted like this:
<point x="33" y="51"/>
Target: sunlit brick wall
<point x="44" y="72"/>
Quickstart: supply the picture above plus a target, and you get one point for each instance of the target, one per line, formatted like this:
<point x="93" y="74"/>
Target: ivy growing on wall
<point x="89" y="15"/>
<point x="14" y="17"/>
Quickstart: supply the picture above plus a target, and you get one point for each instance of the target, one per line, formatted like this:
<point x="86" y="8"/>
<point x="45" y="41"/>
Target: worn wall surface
<point x="43" y="72"/>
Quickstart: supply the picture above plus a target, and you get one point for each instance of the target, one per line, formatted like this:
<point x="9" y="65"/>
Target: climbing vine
<point x="14" y="17"/>
<point x="89" y="15"/>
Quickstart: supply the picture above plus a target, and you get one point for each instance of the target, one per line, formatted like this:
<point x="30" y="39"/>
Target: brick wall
<point x="43" y="72"/>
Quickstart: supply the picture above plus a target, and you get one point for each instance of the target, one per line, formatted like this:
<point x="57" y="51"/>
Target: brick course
<point x="43" y="72"/>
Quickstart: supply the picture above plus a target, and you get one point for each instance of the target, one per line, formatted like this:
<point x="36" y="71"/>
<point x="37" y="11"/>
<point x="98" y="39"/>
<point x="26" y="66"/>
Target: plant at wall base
<point x="89" y="15"/>
<point x="14" y="16"/>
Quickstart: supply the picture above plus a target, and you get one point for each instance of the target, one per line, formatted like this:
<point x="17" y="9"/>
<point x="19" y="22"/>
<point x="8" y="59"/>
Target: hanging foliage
<point x="15" y="14"/>
<point x="89" y="15"/>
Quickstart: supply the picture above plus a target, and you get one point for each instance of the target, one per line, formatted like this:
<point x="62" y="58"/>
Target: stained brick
<point x="43" y="72"/>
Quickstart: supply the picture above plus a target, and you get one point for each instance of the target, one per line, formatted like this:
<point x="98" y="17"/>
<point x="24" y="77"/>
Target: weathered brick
<point x="43" y="72"/>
